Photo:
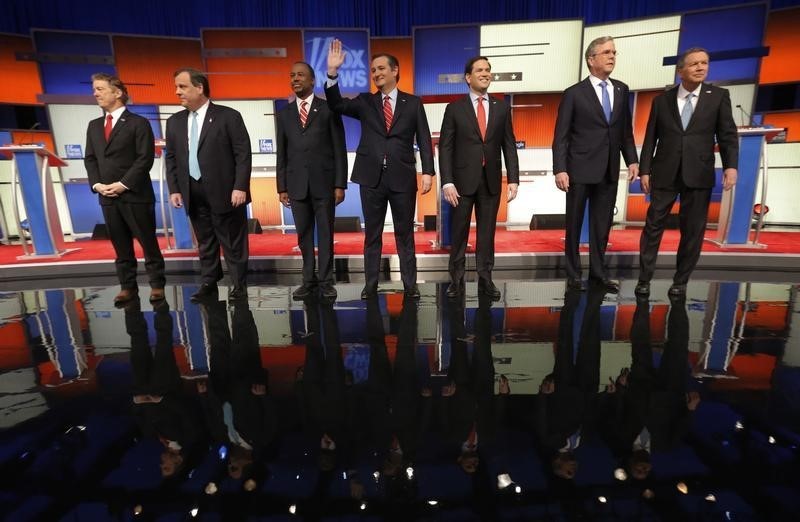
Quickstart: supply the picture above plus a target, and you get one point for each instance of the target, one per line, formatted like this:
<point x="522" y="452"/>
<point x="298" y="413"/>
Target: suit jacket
<point x="312" y="161"/>
<point x="223" y="153"/>
<point x="669" y="150"/>
<point x="397" y="145"/>
<point x="585" y="145"/>
<point x="127" y="157"/>
<point x="461" y="148"/>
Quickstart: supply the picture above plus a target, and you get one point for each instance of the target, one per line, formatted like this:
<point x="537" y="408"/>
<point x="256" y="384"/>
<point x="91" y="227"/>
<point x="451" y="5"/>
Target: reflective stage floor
<point x="540" y="406"/>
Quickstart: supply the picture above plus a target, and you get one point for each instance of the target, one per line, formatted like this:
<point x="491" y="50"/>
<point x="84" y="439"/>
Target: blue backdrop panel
<point x="354" y="74"/>
<point x="443" y="51"/>
<point x="738" y="29"/>
<point x="85" y="211"/>
<point x="151" y="113"/>
<point x="352" y="132"/>
<point x="72" y="78"/>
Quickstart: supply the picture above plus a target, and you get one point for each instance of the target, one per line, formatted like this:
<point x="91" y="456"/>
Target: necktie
<point x="194" y="164"/>
<point x="686" y="113"/>
<point x="482" y="117"/>
<point x="303" y="113"/>
<point x="107" y="129"/>
<point x="606" y="101"/>
<point x="387" y="112"/>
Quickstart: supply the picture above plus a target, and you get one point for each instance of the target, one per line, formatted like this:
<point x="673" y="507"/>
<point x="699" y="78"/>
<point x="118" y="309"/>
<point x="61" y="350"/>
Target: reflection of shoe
<point x="328" y="291"/>
<point x="239" y="293"/>
<point x="156" y="295"/>
<point x="489" y="290"/>
<point x="369" y="291"/>
<point x="125" y="295"/>
<point x="455" y="289"/>
<point x="642" y="289"/>
<point x="412" y="292"/>
<point x="677" y="290"/>
<point x="303" y="291"/>
<point x="576" y="283"/>
<point x="206" y="291"/>
<point x="611" y="285"/>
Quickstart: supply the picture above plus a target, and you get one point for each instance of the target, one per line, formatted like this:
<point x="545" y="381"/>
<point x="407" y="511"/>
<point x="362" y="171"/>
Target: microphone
<point x="743" y="113"/>
<point x="30" y="130"/>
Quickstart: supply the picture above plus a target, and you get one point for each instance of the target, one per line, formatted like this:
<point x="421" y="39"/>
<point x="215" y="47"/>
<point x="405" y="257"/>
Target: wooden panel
<point x="21" y="83"/>
<point x="787" y="120"/>
<point x="535" y="118"/>
<point x="402" y="49"/>
<point x="781" y="64"/>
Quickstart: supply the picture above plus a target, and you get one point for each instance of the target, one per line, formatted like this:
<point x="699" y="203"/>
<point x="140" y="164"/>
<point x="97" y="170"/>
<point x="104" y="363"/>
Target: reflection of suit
<point x="683" y="164"/>
<point x="127" y="157"/>
<point x="385" y="168"/>
<point x="473" y="165"/>
<point x="587" y="148"/>
<point x="312" y="161"/>
<point x="225" y="165"/>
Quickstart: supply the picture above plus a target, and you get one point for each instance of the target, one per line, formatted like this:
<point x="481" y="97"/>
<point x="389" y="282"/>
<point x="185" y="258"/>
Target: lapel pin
<point x="210" y="120"/>
<point x="122" y="119"/>
<point x="315" y="110"/>
<point x="708" y="92"/>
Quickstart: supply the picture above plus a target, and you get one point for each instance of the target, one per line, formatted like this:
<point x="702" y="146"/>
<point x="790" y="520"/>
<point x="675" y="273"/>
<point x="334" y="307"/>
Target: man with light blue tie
<point x="208" y="160"/>
<point x="593" y="126"/>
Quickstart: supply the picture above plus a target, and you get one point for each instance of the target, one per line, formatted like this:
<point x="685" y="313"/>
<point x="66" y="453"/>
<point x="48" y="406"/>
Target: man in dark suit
<point x="683" y="124"/>
<point x="593" y="127"/>
<point x="208" y="170"/>
<point x="385" y="167"/>
<point x="119" y="154"/>
<point x="312" y="175"/>
<point x="475" y="130"/>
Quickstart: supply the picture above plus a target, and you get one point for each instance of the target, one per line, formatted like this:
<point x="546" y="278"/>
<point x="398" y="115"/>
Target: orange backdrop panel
<point x="147" y="65"/>
<point x="787" y="120"/>
<point x="265" y="206"/>
<point x="23" y="137"/>
<point x="781" y="38"/>
<point x="535" y="118"/>
<point x="249" y="77"/>
<point x="402" y="49"/>
<point x="21" y="83"/>
<point x="426" y="203"/>
<point x="641" y="113"/>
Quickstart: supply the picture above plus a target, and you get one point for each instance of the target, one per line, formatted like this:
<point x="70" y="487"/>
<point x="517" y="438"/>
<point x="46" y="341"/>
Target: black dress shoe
<point x="412" y="292"/>
<point x="125" y="296"/>
<point x="455" y="290"/>
<point x="611" y="285"/>
<point x="576" y="283"/>
<point x="369" y="291"/>
<point x="489" y="290"/>
<point x="677" y="291"/>
<point x="642" y="289"/>
<point x="328" y="291"/>
<point x="206" y="291"/>
<point x="303" y="291"/>
<point x="239" y="293"/>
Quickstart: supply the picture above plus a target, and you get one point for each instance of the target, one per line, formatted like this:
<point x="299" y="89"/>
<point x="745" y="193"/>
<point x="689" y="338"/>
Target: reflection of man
<point x="385" y="167"/>
<point x="474" y="131"/>
<point x="312" y="175"/>
<point x="593" y="127"/>
<point x="682" y="125"/>
<point x="208" y="170"/>
<point x="119" y="154"/>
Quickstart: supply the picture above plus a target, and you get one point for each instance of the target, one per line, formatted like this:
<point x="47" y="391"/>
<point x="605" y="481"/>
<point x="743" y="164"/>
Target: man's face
<point x="604" y="57"/>
<point x="301" y="81"/>
<point x="190" y="96"/>
<point x="382" y="74"/>
<point x="695" y="68"/>
<point x="106" y="95"/>
<point x="480" y="77"/>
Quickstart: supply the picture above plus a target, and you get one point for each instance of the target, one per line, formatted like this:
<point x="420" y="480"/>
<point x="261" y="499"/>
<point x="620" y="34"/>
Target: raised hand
<point x="336" y="57"/>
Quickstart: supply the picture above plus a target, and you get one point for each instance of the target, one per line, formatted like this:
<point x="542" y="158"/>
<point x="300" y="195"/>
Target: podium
<point x="736" y="208"/>
<point x="182" y="239"/>
<point x="31" y="183"/>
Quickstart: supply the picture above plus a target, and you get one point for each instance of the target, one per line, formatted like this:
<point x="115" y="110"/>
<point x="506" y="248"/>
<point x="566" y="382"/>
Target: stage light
<point x="410" y="473"/>
<point x="297" y="477"/>
<point x="771" y="439"/>
<point x="137" y="510"/>
<point x="517" y="490"/>
<point x="620" y="474"/>
<point x="293" y="509"/>
<point x="738" y="426"/>
<point x="711" y="498"/>
<point x="433" y="502"/>
<point x="376" y="476"/>
<point x="602" y="499"/>
<point x="363" y="506"/>
<point x="211" y="488"/>
<point x="682" y="487"/>
<point x="648" y="494"/>
<point x="194" y="512"/>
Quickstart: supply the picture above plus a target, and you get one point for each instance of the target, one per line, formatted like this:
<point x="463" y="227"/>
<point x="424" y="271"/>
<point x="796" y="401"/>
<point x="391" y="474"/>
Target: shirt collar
<point x="682" y="92"/>
<point x="116" y="113"/>
<point x="201" y="112"/>
<point x="392" y="95"/>
<point x="474" y="96"/>
<point x="307" y="99"/>
<point x="596" y="81"/>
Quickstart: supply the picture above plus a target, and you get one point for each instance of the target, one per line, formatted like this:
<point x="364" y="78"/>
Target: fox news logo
<point x="353" y="72"/>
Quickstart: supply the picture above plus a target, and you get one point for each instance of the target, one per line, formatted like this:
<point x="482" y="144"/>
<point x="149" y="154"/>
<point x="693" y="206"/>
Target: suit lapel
<point x="493" y="116"/>
<point x="672" y="102"/>
<point x="378" y="104"/>
<point x="207" y="123"/>
<point x="117" y="127"/>
<point x="702" y="104"/>
<point x="182" y="131"/>
<point x="589" y="92"/>
<point x="616" y="107"/>
<point x="470" y="115"/>
<point x="313" y="110"/>
<point x="399" y="107"/>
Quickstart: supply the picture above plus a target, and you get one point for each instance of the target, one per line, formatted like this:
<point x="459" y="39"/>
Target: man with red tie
<point x="119" y="155"/>
<point x="385" y="167"/>
<point x="475" y="130"/>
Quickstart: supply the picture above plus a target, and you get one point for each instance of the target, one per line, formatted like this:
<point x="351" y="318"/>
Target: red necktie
<point x="303" y="113"/>
<point x="387" y="112"/>
<point x="482" y="118"/>
<point x="107" y="129"/>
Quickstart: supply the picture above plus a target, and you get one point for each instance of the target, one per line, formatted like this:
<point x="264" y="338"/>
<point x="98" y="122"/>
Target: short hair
<point x="471" y="62"/>
<point x="114" y="82"/>
<point x="594" y="44"/>
<point x="310" y="69"/>
<point x="682" y="57"/>
<point x="198" y="78"/>
<point x="394" y="63"/>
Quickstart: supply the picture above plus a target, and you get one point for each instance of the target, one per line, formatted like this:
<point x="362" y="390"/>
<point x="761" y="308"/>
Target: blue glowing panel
<point x="151" y="113"/>
<point x="354" y="73"/>
<point x="60" y="75"/>
<point x="439" y="57"/>
<point x="734" y="37"/>
<point x="84" y="208"/>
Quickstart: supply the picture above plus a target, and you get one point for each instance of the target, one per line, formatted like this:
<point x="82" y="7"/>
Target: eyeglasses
<point x="606" y="53"/>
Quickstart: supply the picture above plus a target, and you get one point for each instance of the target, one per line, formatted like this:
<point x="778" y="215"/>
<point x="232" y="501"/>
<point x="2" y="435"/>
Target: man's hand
<point x="451" y="195"/>
<point x="633" y="171"/>
<point x="449" y="389"/>
<point x="547" y="387"/>
<point x="644" y="181"/>
<point x="106" y="190"/>
<point x="692" y="400"/>
<point x="283" y="197"/>
<point x="258" y="389"/>
<point x="335" y="57"/>
<point x="562" y="181"/>
<point x="427" y="182"/>
<point x="729" y="179"/>
<point x="338" y="195"/>
<point x="176" y="199"/>
<point x="512" y="191"/>
<point x="238" y="197"/>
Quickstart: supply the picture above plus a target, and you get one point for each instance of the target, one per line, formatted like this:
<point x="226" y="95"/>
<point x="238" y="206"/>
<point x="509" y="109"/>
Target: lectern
<point x="31" y="183"/>
<point x="182" y="238"/>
